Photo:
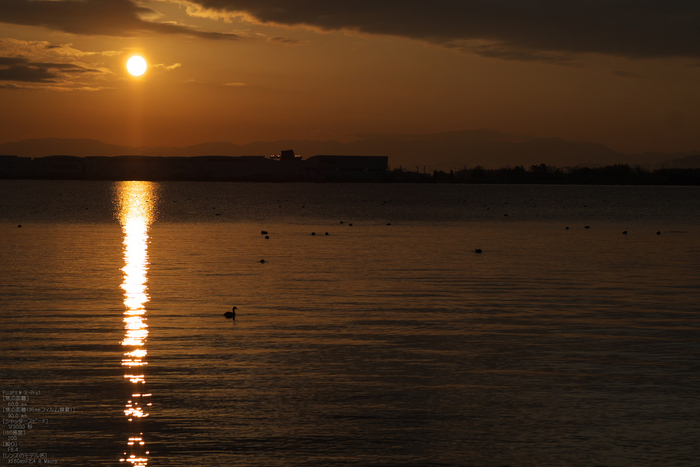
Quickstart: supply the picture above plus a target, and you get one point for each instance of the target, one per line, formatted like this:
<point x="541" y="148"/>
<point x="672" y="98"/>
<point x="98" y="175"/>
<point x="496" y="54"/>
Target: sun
<point x="136" y="65"/>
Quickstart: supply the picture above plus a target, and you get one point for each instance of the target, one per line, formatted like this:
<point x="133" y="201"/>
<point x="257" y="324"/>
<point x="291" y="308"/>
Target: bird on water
<point x="231" y="314"/>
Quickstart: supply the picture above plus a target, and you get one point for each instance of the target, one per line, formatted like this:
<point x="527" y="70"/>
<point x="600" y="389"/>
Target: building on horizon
<point x="286" y="167"/>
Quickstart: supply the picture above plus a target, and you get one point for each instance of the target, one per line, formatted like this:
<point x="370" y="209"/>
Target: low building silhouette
<point x="285" y="167"/>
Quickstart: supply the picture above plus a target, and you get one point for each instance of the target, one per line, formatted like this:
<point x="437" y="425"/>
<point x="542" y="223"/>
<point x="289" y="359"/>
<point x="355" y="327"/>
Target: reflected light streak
<point x="136" y="378"/>
<point x="128" y="362"/>
<point x="135" y="202"/>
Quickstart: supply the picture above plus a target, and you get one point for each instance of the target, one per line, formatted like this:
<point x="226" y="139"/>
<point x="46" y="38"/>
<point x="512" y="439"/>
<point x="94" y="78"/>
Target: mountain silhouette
<point x="435" y="151"/>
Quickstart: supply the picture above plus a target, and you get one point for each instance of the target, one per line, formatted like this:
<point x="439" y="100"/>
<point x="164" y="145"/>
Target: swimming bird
<point x="478" y="250"/>
<point x="231" y="314"/>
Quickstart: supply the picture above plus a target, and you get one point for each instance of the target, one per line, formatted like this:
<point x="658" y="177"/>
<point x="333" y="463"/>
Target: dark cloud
<point x="27" y="74"/>
<point x="284" y="41"/>
<point x="10" y="61"/>
<point x="21" y="69"/>
<point x="532" y="29"/>
<point x="94" y="17"/>
<point x="510" y="53"/>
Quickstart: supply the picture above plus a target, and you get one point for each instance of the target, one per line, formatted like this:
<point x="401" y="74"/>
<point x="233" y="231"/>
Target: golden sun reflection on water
<point x="135" y="202"/>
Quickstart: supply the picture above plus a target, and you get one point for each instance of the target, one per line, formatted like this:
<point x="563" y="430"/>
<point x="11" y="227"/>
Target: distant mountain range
<point x="435" y="151"/>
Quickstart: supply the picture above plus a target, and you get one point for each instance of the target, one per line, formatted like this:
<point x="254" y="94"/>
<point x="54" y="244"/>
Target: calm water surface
<point x="377" y="344"/>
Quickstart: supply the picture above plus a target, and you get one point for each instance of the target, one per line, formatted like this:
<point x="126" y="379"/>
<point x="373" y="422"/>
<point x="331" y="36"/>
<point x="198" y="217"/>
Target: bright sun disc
<point x="136" y="65"/>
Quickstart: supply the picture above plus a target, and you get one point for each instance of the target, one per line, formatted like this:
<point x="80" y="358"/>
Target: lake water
<point x="388" y="341"/>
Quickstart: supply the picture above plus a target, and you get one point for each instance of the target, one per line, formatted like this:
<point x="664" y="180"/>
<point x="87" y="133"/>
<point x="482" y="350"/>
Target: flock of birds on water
<point x="232" y="314"/>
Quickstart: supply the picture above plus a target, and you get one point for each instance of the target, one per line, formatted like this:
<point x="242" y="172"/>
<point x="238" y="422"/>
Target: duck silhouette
<point x="231" y="314"/>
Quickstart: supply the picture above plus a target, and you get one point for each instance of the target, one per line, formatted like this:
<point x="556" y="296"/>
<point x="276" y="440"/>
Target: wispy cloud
<point x="505" y="52"/>
<point x="198" y="10"/>
<point x="21" y="69"/>
<point x="41" y="65"/>
<point x="286" y="41"/>
<point x="235" y="85"/>
<point x="9" y="46"/>
<point x="168" y="67"/>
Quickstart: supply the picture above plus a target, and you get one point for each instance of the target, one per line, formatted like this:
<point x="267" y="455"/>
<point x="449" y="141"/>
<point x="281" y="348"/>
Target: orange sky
<point x="240" y="71"/>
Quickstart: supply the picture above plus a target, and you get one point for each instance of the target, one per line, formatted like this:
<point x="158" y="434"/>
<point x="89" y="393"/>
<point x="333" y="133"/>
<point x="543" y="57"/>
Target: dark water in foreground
<point x="375" y="345"/>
